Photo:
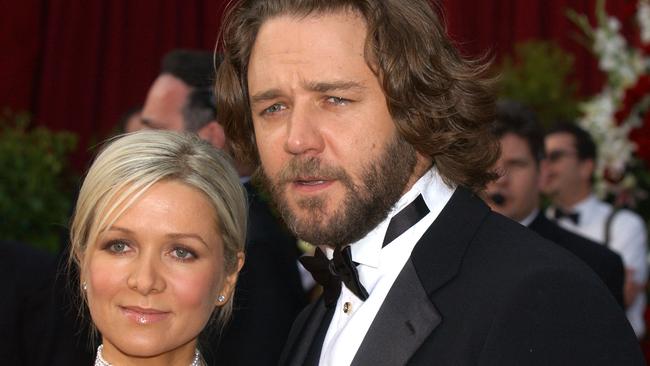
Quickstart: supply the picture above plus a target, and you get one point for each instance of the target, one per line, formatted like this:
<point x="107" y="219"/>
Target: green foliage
<point x="35" y="183"/>
<point x="537" y="75"/>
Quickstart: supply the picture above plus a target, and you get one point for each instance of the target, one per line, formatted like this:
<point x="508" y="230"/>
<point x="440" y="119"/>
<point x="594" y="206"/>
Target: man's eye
<point x="277" y="107"/>
<point x="337" y="100"/>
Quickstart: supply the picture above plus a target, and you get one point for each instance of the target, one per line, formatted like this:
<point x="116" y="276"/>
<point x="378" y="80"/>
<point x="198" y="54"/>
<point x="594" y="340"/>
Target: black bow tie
<point x="341" y="269"/>
<point x="573" y="216"/>
<point x="330" y="273"/>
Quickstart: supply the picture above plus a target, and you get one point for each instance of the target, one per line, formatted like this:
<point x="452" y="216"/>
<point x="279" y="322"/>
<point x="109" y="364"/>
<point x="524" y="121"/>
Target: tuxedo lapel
<point x="408" y="315"/>
<point x="404" y="321"/>
<point x="439" y="254"/>
<point x="299" y="344"/>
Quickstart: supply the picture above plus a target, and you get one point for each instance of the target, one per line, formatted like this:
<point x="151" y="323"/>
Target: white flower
<point x="643" y="17"/>
<point x="613" y="24"/>
<point x="623" y="66"/>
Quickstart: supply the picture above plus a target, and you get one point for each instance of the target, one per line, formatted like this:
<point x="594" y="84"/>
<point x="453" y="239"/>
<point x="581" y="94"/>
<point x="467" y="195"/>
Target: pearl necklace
<point x="100" y="361"/>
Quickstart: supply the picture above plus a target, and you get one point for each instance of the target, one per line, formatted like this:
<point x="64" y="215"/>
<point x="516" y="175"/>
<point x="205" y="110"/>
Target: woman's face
<point x="154" y="277"/>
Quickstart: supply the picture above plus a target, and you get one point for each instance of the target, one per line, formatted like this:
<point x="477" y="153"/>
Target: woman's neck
<point x="181" y="356"/>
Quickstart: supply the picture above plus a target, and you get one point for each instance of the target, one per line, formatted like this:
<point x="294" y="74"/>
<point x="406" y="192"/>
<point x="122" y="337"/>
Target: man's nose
<point x="303" y="131"/>
<point x="146" y="275"/>
<point x="503" y="176"/>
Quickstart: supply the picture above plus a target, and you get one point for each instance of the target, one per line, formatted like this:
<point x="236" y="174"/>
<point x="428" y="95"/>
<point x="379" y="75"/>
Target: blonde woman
<point x="158" y="237"/>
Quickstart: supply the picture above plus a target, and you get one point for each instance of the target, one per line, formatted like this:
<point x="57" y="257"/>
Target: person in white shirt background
<point x="571" y="158"/>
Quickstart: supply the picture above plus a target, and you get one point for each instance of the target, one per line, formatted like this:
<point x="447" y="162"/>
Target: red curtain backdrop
<point x="79" y="65"/>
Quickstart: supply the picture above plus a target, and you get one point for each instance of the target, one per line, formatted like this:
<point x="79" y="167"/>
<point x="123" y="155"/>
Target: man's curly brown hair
<point x="440" y="102"/>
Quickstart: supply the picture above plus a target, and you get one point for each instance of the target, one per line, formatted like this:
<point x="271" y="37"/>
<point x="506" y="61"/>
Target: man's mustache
<point x="311" y="167"/>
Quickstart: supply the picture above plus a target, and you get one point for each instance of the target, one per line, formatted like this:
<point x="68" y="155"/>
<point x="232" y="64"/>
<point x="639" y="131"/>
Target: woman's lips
<point x="143" y="316"/>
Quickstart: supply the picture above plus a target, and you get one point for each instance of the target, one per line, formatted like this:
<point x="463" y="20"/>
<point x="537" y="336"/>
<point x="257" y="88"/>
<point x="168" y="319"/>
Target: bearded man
<point x="372" y="136"/>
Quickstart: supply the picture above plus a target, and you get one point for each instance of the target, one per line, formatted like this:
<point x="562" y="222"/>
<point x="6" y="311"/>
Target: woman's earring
<point x="221" y="298"/>
<point x="84" y="285"/>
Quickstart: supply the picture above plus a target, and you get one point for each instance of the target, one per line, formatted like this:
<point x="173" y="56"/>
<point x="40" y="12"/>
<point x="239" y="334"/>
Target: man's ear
<point x="213" y="133"/>
<point x="586" y="168"/>
<point x="543" y="172"/>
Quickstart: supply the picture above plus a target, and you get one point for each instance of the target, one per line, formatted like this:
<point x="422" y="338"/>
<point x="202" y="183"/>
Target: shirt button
<point x="347" y="307"/>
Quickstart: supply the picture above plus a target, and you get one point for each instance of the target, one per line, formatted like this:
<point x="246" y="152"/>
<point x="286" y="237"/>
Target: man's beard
<point x="364" y="206"/>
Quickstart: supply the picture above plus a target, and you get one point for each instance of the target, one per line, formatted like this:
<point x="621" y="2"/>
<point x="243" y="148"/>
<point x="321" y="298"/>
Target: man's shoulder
<point x="503" y="248"/>
<point x="629" y="219"/>
<point x="586" y="249"/>
<point x="505" y="255"/>
<point x="501" y="236"/>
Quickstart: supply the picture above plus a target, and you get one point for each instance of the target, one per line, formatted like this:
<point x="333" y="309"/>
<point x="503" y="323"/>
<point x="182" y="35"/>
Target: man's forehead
<point x="167" y="86"/>
<point x="513" y="145"/>
<point x="560" y="139"/>
<point x="327" y="54"/>
<point x="323" y="33"/>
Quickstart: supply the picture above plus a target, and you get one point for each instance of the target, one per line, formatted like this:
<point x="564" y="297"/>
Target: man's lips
<point x="311" y="184"/>
<point x="143" y="316"/>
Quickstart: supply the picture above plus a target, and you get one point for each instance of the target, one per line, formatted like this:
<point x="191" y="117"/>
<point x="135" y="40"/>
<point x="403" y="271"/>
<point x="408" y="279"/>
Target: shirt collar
<point x="586" y="205"/>
<point x="530" y="218"/>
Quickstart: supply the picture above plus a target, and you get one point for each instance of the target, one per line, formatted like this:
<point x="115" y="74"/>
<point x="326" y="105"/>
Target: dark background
<point x="79" y="65"/>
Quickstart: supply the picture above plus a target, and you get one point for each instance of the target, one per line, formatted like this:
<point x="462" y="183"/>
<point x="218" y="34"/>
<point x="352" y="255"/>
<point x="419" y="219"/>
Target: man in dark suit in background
<point x="28" y="322"/>
<point x="269" y="294"/>
<point x="516" y="193"/>
<point x="372" y="135"/>
<point x="571" y="156"/>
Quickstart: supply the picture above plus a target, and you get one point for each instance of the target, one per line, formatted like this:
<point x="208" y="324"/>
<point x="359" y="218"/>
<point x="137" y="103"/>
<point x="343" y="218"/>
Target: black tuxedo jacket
<point x="480" y="289"/>
<point x="34" y="329"/>
<point x="607" y="264"/>
<point x="268" y="296"/>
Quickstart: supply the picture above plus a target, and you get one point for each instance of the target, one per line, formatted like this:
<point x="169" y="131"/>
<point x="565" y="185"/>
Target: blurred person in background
<point x="516" y="194"/>
<point x="571" y="158"/>
<point x="131" y="121"/>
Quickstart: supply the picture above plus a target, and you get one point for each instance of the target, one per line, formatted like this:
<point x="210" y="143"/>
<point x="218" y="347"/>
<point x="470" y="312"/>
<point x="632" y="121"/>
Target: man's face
<point x="134" y="123"/>
<point x="519" y="179"/>
<point x="163" y="109"/>
<point x="328" y="146"/>
<point x="564" y="170"/>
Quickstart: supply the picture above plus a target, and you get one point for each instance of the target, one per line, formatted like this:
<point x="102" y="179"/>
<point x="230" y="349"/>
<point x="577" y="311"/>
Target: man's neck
<point x="423" y="164"/>
<point x="568" y="201"/>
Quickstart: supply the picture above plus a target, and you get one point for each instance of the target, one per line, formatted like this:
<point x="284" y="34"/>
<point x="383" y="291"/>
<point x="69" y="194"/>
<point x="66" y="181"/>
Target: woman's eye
<point x="118" y="247"/>
<point x="182" y="253"/>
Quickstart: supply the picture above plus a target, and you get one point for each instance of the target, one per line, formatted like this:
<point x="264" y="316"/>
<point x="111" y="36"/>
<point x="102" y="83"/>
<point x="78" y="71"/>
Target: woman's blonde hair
<point x="130" y="164"/>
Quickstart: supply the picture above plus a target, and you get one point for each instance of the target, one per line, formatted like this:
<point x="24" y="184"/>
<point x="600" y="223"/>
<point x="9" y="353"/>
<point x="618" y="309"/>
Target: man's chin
<point x="312" y="229"/>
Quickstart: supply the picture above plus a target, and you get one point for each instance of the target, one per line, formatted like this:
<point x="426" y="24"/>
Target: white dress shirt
<point x="628" y="237"/>
<point x="530" y="218"/>
<point x="378" y="268"/>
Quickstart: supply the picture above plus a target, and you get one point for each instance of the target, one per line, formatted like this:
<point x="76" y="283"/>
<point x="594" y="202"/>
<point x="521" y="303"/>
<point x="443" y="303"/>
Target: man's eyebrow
<point x="265" y="95"/>
<point x="320" y="87"/>
<point x="328" y="86"/>
<point x="149" y="123"/>
<point x="517" y="160"/>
